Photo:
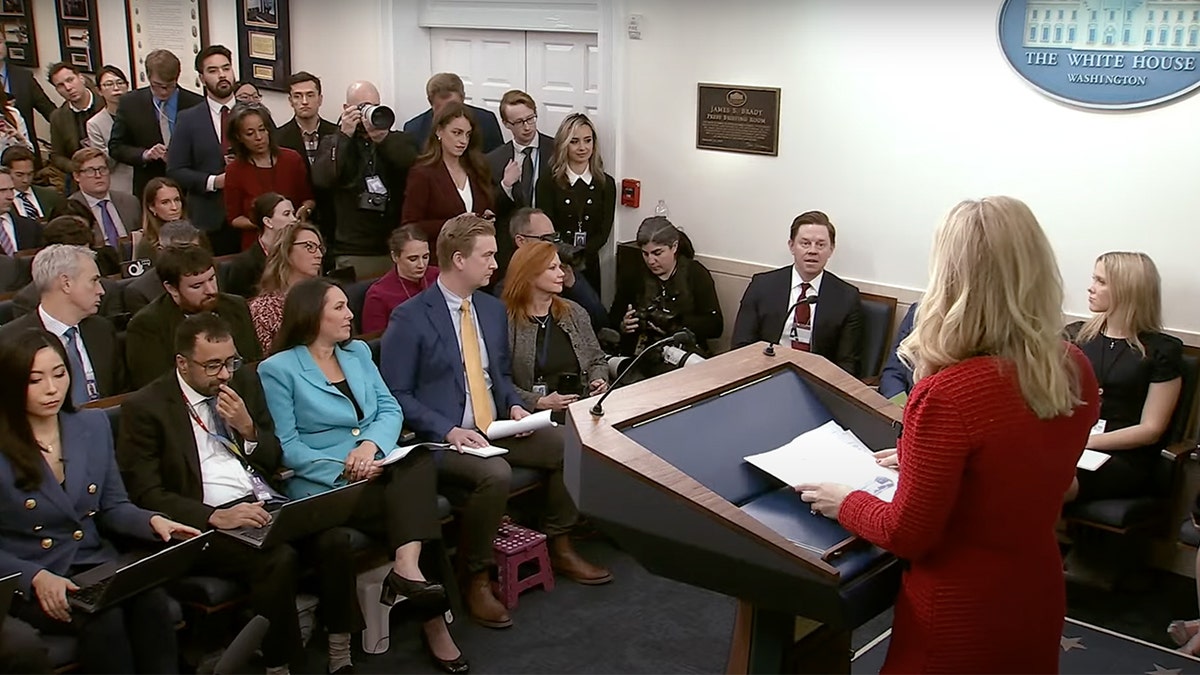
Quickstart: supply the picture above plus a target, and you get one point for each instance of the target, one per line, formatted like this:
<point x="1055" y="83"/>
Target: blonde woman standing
<point x="997" y="419"/>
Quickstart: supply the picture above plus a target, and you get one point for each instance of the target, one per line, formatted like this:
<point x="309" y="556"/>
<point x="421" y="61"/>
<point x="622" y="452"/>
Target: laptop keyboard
<point x="90" y="595"/>
<point x="257" y="534"/>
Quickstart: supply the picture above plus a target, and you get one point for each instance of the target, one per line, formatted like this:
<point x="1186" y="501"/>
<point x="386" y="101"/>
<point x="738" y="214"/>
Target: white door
<point x="490" y="62"/>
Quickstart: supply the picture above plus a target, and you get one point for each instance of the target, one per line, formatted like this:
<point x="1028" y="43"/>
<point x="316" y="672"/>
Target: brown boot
<point x="482" y="604"/>
<point x="567" y="562"/>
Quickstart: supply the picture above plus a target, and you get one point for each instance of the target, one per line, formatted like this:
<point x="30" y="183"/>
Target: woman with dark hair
<point x="579" y="198"/>
<point x="451" y="178"/>
<point x="554" y="351"/>
<point x="62" y="494"/>
<point x="113" y="85"/>
<point x="672" y="292"/>
<point x="272" y="213"/>
<point x="335" y="420"/>
<point x="162" y="203"/>
<point x="411" y="273"/>
<point x="260" y="166"/>
<point x="247" y="93"/>
<point x="295" y="256"/>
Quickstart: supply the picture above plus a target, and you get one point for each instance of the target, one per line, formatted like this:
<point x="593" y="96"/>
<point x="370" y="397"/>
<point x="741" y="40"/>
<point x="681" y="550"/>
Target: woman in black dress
<point x="1140" y="372"/>
<point x="579" y="197"/>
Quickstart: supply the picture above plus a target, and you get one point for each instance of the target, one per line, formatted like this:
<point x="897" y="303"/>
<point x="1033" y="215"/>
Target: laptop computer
<point x="301" y="517"/>
<point x="8" y="586"/>
<point x="106" y="585"/>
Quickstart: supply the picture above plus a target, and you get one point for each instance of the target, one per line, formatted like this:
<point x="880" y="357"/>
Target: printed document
<point x="829" y="454"/>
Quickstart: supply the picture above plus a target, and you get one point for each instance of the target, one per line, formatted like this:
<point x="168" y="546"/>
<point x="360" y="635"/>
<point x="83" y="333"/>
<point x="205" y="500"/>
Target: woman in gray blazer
<point x="555" y="356"/>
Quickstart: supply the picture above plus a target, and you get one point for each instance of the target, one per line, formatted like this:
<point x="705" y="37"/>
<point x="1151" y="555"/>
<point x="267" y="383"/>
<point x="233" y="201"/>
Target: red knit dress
<point x="981" y="486"/>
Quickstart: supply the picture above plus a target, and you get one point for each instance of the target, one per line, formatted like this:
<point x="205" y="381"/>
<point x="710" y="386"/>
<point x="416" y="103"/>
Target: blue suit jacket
<point x="94" y="500"/>
<point x="421" y="126"/>
<point x="316" y="424"/>
<point x="423" y="366"/>
<point x="193" y="156"/>
<point x="896" y="377"/>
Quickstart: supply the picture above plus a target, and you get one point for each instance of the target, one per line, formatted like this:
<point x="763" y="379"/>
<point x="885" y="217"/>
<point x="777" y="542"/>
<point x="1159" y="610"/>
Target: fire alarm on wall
<point x="631" y="193"/>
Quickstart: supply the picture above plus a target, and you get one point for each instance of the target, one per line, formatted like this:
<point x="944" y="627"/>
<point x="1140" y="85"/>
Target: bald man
<point x="365" y="170"/>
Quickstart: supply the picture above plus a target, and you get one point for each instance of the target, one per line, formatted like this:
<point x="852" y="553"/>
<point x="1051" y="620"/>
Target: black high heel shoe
<point x="429" y="599"/>
<point x="457" y="666"/>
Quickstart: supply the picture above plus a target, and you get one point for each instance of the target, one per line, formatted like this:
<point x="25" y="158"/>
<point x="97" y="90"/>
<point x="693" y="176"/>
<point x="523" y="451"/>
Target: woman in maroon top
<point x="295" y="256"/>
<point x="999" y="416"/>
<point x="411" y="274"/>
<point x="451" y="178"/>
<point x="260" y="166"/>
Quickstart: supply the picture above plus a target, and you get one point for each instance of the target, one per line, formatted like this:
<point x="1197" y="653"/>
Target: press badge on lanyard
<point x="580" y="238"/>
<point x="262" y="491"/>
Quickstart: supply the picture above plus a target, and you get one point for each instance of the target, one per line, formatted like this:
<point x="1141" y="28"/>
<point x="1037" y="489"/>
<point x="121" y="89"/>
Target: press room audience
<point x="443" y="89"/>
<point x="117" y="213"/>
<point x="13" y="132"/>
<point x="272" y="214"/>
<point x="410" y="275"/>
<point x="579" y="197"/>
<point x="21" y="90"/>
<point x="113" y="85"/>
<point x="445" y="358"/>
<point x="68" y="123"/>
<point x="1002" y="407"/>
<point x="190" y="280"/>
<point x="294" y="257"/>
<point x="832" y="326"/>
<point x="75" y="224"/>
<point x="17" y="233"/>
<point x="260" y="166"/>
<point x="517" y="165"/>
<point x="35" y="202"/>
<point x="68" y="283"/>
<point x="556" y="359"/>
<point x="896" y="377"/>
<point x="672" y="292"/>
<point x="74" y="230"/>
<point x="1140" y="370"/>
<point x="335" y="420"/>
<point x="145" y="121"/>
<point x="146" y="288"/>
<point x="451" y="177"/>
<point x="365" y="171"/>
<point x="50" y="449"/>
<point x="162" y="202"/>
<point x="303" y="133"/>
<point x="198" y="444"/>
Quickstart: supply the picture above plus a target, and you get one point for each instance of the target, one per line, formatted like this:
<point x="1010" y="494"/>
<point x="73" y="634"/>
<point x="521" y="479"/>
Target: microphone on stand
<point x="809" y="299"/>
<point x="681" y="336"/>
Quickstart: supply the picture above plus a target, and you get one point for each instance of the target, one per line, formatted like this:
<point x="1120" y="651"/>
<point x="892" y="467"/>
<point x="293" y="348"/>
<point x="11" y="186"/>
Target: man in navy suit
<point x="196" y="157"/>
<point x="17" y="233"/>
<point x="441" y="89"/>
<point x="829" y="323"/>
<point x="897" y="378"/>
<point x="445" y="358"/>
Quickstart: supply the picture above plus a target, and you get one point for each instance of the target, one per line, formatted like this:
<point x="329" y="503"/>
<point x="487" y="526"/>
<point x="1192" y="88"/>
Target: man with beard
<point x="190" y="280"/>
<point x="199" y="150"/>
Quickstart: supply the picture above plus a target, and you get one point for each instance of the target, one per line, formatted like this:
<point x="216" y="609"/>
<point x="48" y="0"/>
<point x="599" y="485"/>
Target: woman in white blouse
<point x="113" y="84"/>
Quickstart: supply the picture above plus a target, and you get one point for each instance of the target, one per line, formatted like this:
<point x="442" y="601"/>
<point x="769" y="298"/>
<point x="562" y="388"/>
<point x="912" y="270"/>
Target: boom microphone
<point x="682" y="336"/>
<point x="809" y="299"/>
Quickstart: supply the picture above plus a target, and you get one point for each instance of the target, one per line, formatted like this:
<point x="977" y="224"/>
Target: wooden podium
<point x="662" y="473"/>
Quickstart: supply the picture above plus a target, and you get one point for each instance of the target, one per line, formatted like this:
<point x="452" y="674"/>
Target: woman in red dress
<point x="261" y="166"/>
<point x="992" y="431"/>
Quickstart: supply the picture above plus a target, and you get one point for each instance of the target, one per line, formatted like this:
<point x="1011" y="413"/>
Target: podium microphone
<point x="810" y="299"/>
<point x="682" y="336"/>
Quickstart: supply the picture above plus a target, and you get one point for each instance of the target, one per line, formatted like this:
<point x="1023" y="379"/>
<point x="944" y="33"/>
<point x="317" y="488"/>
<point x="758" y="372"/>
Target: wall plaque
<point x="737" y="119"/>
<point x="178" y="26"/>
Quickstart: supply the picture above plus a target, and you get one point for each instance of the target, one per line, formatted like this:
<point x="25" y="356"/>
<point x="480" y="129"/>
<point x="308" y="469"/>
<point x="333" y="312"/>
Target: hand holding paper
<point x="506" y="428"/>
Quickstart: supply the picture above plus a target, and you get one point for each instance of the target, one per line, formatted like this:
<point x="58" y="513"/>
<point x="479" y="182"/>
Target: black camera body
<point x="370" y="201"/>
<point x="658" y="316"/>
<point x="570" y="255"/>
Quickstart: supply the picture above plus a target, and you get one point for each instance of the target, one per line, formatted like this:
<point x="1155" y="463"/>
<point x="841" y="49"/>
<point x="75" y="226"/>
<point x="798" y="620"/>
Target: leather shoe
<point x="482" y="604"/>
<point x="455" y="666"/>
<point x="426" y="598"/>
<point x="567" y="562"/>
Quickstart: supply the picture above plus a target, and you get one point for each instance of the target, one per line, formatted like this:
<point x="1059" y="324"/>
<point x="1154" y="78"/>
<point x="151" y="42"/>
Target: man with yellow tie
<point x="445" y="358"/>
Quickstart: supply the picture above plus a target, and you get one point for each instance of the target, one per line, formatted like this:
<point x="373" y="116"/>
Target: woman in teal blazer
<point x="335" y="420"/>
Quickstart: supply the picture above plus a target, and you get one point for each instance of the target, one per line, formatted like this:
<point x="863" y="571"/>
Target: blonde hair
<point x="458" y="235"/>
<point x="278" y="270"/>
<point x="1135" y="298"/>
<point x="995" y="289"/>
<point x="562" y="145"/>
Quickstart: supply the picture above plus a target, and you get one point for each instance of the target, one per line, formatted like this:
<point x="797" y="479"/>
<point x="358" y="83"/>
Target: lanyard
<point x="225" y="442"/>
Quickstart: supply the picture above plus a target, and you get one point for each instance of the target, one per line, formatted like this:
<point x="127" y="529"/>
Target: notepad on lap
<point x="400" y="452"/>
<point x="1091" y="460"/>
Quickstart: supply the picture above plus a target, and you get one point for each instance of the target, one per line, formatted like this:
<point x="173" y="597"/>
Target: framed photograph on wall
<point x="179" y="26"/>
<point x="78" y="33"/>
<point x="264" y="43"/>
<point x="16" y="18"/>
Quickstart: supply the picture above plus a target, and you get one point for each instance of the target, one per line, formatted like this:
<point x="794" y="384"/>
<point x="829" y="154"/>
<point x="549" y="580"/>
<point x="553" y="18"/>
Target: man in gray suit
<point x="117" y="213"/>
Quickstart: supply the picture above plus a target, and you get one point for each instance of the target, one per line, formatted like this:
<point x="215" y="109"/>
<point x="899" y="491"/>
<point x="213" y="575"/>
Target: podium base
<point x="767" y="641"/>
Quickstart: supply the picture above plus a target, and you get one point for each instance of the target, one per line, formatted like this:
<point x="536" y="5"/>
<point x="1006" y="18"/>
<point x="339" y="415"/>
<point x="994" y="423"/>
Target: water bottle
<point x="661" y="209"/>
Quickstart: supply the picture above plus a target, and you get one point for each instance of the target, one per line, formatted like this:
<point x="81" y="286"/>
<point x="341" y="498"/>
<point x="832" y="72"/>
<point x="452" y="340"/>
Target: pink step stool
<point x="513" y="546"/>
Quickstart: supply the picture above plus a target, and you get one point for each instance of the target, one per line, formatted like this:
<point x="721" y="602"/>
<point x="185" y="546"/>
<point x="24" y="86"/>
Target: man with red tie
<point x="803" y="305"/>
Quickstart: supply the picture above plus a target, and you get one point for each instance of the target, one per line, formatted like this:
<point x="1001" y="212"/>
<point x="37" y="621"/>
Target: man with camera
<point x="365" y="167"/>
<point x="528" y="225"/>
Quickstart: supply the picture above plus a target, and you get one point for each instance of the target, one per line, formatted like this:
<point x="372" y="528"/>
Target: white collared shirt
<point x="572" y="176"/>
<point x="94" y="204"/>
<point x="454" y="303"/>
<point x="793" y="297"/>
<point x="84" y="108"/>
<point x="223" y="476"/>
<point x="519" y="158"/>
<point x="19" y="204"/>
<point x="468" y="199"/>
<point x="59" y="329"/>
<point x="214" y="112"/>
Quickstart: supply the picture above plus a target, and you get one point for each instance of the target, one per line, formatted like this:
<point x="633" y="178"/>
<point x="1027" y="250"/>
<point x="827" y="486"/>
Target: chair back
<point x="879" y="314"/>
<point x="1181" y="428"/>
<point x="356" y="298"/>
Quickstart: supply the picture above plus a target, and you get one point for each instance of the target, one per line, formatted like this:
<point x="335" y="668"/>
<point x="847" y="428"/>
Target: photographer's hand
<point x="630" y="323"/>
<point x="568" y="276"/>
<point x="350" y="120"/>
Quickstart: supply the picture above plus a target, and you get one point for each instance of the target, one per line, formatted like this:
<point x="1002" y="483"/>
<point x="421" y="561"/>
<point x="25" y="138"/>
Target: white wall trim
<point x="572" y="16"/>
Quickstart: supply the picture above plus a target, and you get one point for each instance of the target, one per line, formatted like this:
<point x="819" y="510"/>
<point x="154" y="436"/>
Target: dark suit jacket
<point x="837" y="328"/>
<point x="430" y="198"/>
<point x="29" y="232"/>
<point x="422" y="365"/>
<point x="421" y="126"/>
<point x="49" y="199"/>
<point x="142" y="291"/>
<point x="112" y="304"/>
<point x="194" y="155"/>
<point x="897" y="377"/>
<point x="242" y="274"/>
<point x="94" y="499"/>
<point x="64" y="133"/>
<point x="100" y="341"/>
<point x="289" y="135"/>
<point x="135" y="130"/>
<point x="150" y="337"/>
<point x="497" y="159"/>
<point x="157" y="449"/>
<point x="27" y="96"/>
<point x="129" y="208"/>
<point x="15" y="273"/>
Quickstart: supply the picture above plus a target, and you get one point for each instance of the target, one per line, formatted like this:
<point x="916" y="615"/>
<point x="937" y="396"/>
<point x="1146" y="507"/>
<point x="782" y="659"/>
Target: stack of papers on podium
<point x="829" y="454"/>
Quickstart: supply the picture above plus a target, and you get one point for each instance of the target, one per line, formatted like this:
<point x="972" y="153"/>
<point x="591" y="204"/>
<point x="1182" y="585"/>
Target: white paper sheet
<point x="829" y="454"/>
<point x="1091" y="460"/>
<point x="400" y="452"/>
<point x="505" y="428"/>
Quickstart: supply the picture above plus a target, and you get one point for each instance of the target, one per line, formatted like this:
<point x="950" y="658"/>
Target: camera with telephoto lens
<point x="380" y="117"/>
<point x="570" y="255"/>
<point x="370" y="201"/>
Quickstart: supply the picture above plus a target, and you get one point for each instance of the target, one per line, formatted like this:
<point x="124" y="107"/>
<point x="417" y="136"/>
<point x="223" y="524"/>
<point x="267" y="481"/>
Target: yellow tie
<point x="480" y="403"/>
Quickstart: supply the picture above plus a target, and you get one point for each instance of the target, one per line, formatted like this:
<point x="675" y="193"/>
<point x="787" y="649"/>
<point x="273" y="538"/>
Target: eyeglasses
<point x="311" y="246"/>
<point x="528" y="121"/>
<point x="95" y="171"/>
<point x="114" y="84"/>
<point x="553" y="237"/>
<point x="248" y="98"/>
<point x="232" y="364"/>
